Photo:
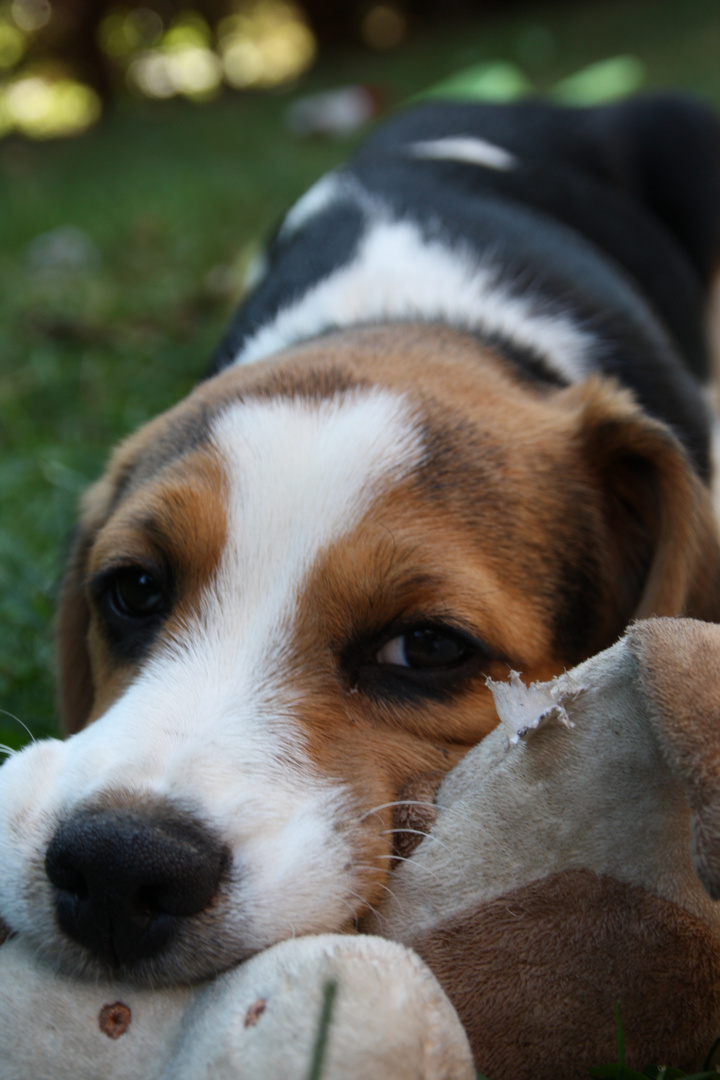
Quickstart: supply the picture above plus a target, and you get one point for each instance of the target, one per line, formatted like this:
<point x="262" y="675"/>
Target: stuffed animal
<point x="389" y="1019"/>
<point x="571" y="869"/>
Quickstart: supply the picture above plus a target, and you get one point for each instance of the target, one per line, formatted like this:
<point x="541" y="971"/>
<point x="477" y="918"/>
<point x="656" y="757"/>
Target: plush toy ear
<point x="679" y="673"/>
<point x="663" y="556"/>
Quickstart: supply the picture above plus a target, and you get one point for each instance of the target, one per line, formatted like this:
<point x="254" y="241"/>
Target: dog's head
<point x="282" y="605"/>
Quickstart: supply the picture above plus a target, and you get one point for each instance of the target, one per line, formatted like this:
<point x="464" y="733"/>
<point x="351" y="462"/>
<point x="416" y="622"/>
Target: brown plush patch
<point x="255" y="1012"/>
<point x="679" y="671"/>
<point x="535" y="976"/>
<point x="115" y="1019"/>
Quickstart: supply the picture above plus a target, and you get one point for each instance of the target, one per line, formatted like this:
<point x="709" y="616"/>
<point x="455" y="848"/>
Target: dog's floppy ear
<point x="76" y="690"/>
<point x="679" y="673"/>
<point x="663" y="556"/>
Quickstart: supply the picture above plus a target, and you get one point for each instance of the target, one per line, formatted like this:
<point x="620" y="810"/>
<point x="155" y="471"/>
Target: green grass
<point x="175" y="197"/>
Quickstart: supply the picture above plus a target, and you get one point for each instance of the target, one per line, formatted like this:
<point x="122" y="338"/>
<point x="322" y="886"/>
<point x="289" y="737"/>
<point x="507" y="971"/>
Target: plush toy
<point x="571" y="870"/>
<point x="388" y="1019"/>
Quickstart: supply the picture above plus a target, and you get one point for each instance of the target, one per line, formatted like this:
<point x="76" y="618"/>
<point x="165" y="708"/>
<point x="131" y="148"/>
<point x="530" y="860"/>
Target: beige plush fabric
<point x="571" y="866"/>
<point x="565" y="869"/>
<point x="50" y="1025"/>
<point x="575" y="777"/>
<point x="390" y="1020"/>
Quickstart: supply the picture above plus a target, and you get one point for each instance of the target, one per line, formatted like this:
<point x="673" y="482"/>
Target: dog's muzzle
<point x="126" y="879"/>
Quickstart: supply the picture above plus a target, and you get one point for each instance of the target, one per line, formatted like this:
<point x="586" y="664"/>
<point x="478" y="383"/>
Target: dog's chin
<point x="199" y="951"/>
<point x="189" y="960"/>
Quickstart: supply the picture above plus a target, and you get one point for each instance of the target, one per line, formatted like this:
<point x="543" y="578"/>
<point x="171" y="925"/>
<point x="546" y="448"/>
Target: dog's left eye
<point x="132" y="593"/>
<point x="425" y="648"/>
<point x="135" y="593"/>
<point x="133" y="602"/>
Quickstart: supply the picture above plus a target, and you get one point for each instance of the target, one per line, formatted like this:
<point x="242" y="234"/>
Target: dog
<point x="458" y="426"/>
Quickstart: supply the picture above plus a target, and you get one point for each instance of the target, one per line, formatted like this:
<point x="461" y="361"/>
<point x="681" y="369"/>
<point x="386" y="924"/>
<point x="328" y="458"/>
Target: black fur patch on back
<point x="609" y="216"/>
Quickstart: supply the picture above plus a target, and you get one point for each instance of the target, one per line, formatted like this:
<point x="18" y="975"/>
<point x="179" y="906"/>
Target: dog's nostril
<point x="124" y="879"/>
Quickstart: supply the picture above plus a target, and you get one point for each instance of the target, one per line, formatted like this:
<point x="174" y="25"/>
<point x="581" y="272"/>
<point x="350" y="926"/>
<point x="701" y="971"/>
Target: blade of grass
<point x="322" y="1032"/>
<point x="707" y="1064"/>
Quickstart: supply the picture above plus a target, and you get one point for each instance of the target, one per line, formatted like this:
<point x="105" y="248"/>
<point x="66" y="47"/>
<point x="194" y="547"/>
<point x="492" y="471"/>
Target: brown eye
<point x="135" y="594"/>
<point x="424" y="648"/>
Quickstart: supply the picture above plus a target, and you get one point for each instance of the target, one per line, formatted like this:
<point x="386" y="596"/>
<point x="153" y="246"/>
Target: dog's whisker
<point x="4" y="712"/>
<point x="425" y="835"/>
<point x="336" y="895"/>
<point x="417" y="863"/>
<point x="365" y="903"/>
<point x="388" y="890"/>
<point x="398" y="802"/>
<point x="350" y="908"/>
<point x="7" y="750"/>
<point x="380" y="883"/>
<point x="415" y="832"/>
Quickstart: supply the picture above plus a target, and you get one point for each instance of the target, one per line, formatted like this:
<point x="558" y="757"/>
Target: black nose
<point x="127" y="879"/>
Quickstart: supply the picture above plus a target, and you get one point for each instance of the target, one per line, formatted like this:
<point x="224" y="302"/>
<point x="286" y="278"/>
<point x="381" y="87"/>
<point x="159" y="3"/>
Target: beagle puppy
<point x="457" y="426"/>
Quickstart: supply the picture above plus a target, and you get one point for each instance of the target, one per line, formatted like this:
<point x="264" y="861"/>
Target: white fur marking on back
<point x="468" y="149"/>
<point x="256" y="271"/>
<point x="398" y="274"/>
<point x="327" y="189"/>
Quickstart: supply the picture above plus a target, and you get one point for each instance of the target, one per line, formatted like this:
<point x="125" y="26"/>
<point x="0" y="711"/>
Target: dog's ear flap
<point x="679" y="674"/>
<point x="663" y="555"/>
<point x="76" y="690"/>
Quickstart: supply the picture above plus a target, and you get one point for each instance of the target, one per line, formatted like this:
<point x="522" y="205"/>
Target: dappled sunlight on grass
<point x="264" y="43"/>
<point x="39" y="100"/>
<point x="265" y="46"/>
<point x="42" y="107"/>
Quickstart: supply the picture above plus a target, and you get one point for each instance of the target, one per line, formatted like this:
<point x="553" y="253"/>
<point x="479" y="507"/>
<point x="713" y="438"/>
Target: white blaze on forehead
<point x="301" y="473"/>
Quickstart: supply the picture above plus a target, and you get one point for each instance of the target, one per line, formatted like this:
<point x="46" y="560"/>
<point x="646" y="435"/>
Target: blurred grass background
<point x="171" y="199"/>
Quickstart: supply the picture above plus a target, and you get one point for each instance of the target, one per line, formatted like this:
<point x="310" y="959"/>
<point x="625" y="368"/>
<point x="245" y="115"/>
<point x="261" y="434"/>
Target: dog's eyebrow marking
<point x="471" y="150"/>
<point x="186" y="434"/>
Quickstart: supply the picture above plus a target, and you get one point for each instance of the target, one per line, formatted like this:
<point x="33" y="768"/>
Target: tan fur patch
<point x="176" y="517"/>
